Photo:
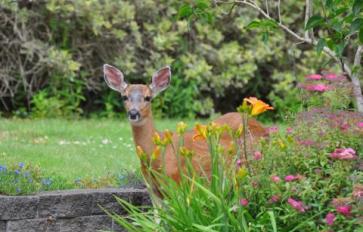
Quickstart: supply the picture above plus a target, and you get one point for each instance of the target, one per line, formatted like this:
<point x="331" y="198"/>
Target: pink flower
<point x="243" y="202"/>
<point x="257" y="155"/>
<point x="360" y="124"/>
<point x="344" y="209"/>
<point x="306" y="142"/>
<point x="298" y="205"/>
<point x="275" y="179"/>
<point x="273" y="129"/>
<point x="330" y="76"/>
<point x="344" y="126"/>
<point x="358" y="191"/>
<point x="239" y="163"/>
<point x="317" y="87"/>
<point x="330" y="218"/>
<point x="290" y="178"/>
<point x="343" y="154"/>
<point x="320" y="88"/>
<point x="313" y="77"/>
<point x="274" y="199"/>
<point x="289" y="130"/>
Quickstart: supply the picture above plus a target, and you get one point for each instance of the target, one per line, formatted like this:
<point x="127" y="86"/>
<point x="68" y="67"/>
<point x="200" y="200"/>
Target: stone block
<point x="2" y="226"/>
<point x="19" y="207"/>
<point x="86" y="224"/>
<point x="33" y="225"/>
<point x="65" y="205"/>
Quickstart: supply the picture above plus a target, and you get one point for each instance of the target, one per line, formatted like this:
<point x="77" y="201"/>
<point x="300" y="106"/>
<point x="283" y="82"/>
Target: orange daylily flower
<point x="156" y="153"/>
<point x="200" y="132"/>
<point x="168" y="137"/>
<point x="185" y="152"/>
<point x="140" y="153"/>
<point x="258" y="106"/>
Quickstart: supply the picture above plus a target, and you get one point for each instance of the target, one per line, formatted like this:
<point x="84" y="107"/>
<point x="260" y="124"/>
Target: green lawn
<point x="71" y="149"/>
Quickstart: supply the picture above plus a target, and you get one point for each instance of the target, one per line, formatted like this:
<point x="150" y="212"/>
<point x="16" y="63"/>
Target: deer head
<point x="137" y="97"/>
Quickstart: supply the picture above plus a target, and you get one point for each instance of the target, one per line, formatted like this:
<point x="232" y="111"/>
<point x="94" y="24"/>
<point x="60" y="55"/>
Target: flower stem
<point x="245" y="128"/>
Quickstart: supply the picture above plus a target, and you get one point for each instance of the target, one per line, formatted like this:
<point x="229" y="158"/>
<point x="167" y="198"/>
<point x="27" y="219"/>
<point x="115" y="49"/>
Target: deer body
<point x="137" y="103"/>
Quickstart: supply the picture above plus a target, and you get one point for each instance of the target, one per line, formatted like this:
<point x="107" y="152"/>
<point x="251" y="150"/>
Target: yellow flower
<point x="241" y="173"/>
<point x="232" y="149"/>
<point x="180" y="128"/>
<point x="185" y="152"/>
<point x="156" y="153"/>
<point x="140" y="153"/>
<point x="258" y="106"/>
<point x="168" y="137"/>
<point x="239" y="131"/>
<point x="200" y="132"/>
<point x="156" y="139"/>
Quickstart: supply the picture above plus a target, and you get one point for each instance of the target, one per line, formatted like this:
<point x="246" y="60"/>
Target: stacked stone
<point x="66" y="211"/>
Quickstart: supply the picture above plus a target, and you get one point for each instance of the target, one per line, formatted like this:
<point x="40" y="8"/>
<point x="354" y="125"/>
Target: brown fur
<point x="144" y="131"/>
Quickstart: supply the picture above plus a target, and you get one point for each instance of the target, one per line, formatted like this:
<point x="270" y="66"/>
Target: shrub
<point x="212" y="63"/>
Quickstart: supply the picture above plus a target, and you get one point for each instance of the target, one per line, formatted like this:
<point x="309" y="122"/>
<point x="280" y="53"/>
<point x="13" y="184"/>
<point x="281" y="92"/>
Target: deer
<point x="137" y="102"/>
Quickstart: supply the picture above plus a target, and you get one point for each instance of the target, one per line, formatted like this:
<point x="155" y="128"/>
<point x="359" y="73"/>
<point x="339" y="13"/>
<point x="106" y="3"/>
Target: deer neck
<point x="143" y="134"/>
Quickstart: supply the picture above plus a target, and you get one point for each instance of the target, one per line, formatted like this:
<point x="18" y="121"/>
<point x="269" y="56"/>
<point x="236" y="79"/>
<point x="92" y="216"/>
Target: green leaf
<point x="254" y="24"/>
<point x="273" y="220"/>
<point x="185" y="11"/>
<point x="320" y="46"/>
<point x="265" y="37"/>
<point x="329" y="3"/>
<point x="314" y="21"/>
<point x="357" y="6"/>
<point x="360" y="35"/>
<point x="356" y="25"/>
<point x="339" y="48"/>
<point x="269" y="24"/>
<point x="202" y="4"/>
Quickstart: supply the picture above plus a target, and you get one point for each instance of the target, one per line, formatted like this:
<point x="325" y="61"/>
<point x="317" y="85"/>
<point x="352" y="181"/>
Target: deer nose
<point x="134" y="115"/>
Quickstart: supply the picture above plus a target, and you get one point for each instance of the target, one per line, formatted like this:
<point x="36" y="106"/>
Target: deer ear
<point x="160" y="80"/>
<point x="114" y="78"/>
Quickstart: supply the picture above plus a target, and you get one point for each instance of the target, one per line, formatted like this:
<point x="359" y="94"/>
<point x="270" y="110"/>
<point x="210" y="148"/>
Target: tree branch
<point x="311" y="40"/>
<point x="357" y="90"/>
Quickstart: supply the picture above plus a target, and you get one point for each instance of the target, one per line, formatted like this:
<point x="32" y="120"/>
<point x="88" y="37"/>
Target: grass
<point x="72" y="149"/>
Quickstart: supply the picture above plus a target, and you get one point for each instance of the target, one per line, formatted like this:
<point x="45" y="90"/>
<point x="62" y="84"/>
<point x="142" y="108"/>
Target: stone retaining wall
<point x="66" y="211"/>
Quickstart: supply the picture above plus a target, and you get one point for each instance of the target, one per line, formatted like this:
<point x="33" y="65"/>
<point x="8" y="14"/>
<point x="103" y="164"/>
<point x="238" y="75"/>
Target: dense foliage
<point x="52" y="54"/>
<point x="304" y="177"/>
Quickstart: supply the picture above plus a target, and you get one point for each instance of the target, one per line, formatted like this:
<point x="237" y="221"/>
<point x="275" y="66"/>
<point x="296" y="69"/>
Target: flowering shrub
<point x="305" y="178"/>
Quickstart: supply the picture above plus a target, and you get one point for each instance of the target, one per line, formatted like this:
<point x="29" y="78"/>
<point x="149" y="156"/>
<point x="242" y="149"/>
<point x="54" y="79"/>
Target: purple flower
<point x="2" y="168"/>
<point x="17" y="172"/>
<point x="344" y="209"/>
<point x="21" y="165"/>
<point x="46" y="181"/>
<point x="330" y="218"/>
<point x="298" y="205"/>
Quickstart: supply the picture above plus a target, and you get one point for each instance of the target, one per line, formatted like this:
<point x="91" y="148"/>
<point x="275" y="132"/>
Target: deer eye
<point x="147" y="98"/>
<point x="125" y="98"/>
